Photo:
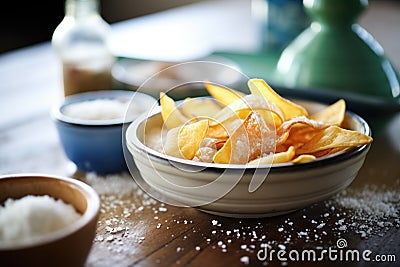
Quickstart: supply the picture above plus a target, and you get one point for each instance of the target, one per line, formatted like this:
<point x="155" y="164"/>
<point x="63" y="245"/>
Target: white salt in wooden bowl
<point x="68" y="246"/>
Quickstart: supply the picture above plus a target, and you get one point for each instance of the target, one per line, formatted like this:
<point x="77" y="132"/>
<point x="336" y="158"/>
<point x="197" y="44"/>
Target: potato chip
<point x="274" y="158"/>
<point x="223" y="95"/>
<point x="244" y="106"/>
<point x="262" y="128"/>
<point x="302" y="121"/>
<point x="261" y="88"/>
<point x="184" y="141"/>
<point x="270" y="117"/>
<point x="299" y="136"/>
<point x="333" y="137"/>
<point x="298" y="131"/>
<point x="170" y="113"/>
<point x="252" y="139"/>
<point x="190" y="137"/>
<point x="304" y="158"/>
<point x="199" y="107"/>
<point x="223" y="130"/>
<point x="236" y="149"/>
<point x="332" y="115"/>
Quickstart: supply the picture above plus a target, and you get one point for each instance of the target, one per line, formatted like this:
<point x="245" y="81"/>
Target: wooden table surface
<point x="135" y="229"/>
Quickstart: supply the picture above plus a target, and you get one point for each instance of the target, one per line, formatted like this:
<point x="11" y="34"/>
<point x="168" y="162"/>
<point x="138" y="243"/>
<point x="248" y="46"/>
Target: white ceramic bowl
<point x="287" y="187"/>
<point x="66" y="247"/>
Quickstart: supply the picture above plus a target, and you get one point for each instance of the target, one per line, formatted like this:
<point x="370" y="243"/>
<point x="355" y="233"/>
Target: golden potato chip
<point x="261" y="137"/>
<point x="332" y="115"/>
<point x="333" y="137"/>
<point x="170" y="113"/>
<point x="235" y="150"/>
<point x="261" y="88"/>
<point x="244" y="106"/>
<point x="274" y="158"/>
<point x="304" y="158"/>
<point x="190" y="137"/>
<point x="299" y="136"/>
<point x="302" y="121"/>
<point x="250" y="140"/>
<point x="223" y="130"/>
<point x="270" y="117"/>
<point x="199" y="107"/>
<point x="184" y="141"/>
<point x="223" y="95"/>
<point x="260" y="128"/>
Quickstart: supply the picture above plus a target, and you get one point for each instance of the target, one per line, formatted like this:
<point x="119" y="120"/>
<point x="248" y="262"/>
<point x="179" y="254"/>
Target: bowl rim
<point x="137" y="145"/>
<point x="57" y="115"/>
<point x="91" y="212"/>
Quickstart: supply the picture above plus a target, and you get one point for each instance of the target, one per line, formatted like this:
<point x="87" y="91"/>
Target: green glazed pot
<point x="335" y="53"/>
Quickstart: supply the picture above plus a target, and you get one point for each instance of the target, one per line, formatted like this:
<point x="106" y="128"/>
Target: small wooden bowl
<point x="69" y="246"/>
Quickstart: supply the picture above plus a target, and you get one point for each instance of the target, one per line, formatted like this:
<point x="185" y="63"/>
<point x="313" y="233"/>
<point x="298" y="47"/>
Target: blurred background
<point x="31" y="22"/>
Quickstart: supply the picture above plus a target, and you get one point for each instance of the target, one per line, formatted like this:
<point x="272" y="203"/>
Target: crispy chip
<point x="261" y="88"/>
<point x="333" y="137"/>
<point x="304" y="158"/>
<point x="272" y="158"/>
<point x="199" y="107"/>
<point x="223" y="95"/>
<point x="190" y="137"/>
<point x="332" y="115"/>
<point x="223" y="130"/>
<point x="252" y="139"/>
<point x="262" y="128"/>
<point x="243" y="107"/>
<point x="170" y="113"/>
<point x="302" y="121"/>
<point x="184" y="141"/>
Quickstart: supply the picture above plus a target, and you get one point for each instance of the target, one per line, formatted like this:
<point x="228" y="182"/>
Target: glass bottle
<point x="81" y="43"/>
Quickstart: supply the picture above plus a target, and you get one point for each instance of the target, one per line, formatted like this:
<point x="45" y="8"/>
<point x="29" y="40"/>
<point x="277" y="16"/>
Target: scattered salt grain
<point x="282" y="247"/>
<point x="116" y="184"/>
<point x="29" y="218"/>
<point x="245" y="260"/>
<point x="373" y="209"/>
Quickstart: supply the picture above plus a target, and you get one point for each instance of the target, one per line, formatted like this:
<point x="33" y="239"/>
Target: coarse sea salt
<point x="98" y="109"/>
<point x="29" y="218"/>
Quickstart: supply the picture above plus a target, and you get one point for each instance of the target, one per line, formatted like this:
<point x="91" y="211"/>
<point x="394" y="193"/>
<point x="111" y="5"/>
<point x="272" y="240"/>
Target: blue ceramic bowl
<point x="96" y="145"/>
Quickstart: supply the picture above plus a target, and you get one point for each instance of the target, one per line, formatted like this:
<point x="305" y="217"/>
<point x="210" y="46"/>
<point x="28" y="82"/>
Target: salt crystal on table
<point x="245" y="260"/>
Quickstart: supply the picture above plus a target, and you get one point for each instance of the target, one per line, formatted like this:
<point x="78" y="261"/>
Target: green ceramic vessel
<point x="335" y="53"/>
